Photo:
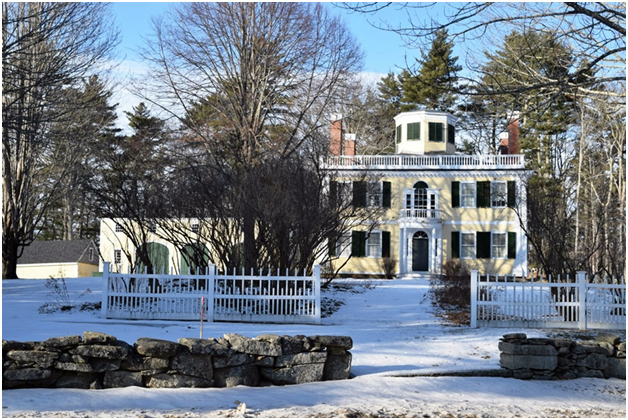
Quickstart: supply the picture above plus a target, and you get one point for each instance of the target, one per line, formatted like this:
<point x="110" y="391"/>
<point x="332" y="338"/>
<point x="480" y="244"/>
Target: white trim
<point x="481" y="222"/>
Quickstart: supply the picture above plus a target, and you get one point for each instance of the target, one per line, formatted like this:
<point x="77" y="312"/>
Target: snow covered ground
<point x="397" y="340"/>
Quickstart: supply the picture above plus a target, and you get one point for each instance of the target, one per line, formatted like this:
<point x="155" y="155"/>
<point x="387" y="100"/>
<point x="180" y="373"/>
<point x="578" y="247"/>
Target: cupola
<point x="425" y="132"/>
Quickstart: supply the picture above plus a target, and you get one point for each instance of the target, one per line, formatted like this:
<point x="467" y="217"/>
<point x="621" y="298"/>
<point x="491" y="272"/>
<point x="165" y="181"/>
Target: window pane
<point x="374" y="245"/>
<point x="499" y="194"/>
<point x="467" y="245"/>
<point x="343" y="246"/>
<point x="467" y="194"/>
<point x="374" y="194"/>
<point x="499" y="245"/>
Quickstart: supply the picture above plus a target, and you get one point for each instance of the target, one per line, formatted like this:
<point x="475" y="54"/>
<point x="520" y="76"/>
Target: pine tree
<point x="431" y="87"/>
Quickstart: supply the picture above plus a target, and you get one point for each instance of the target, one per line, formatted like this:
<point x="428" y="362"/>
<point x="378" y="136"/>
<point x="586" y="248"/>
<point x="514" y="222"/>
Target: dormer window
<point x="435" y="131"/>
<point x="414" y="131"/>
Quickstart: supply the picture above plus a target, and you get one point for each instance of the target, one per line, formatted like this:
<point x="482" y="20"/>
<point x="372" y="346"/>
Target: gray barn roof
<point x="43" y="252"/>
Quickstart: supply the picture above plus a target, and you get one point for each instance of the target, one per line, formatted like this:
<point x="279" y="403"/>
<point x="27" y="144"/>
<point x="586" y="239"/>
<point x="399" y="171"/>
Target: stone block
<point x="43" y="359"/>
<point x="582" y="348"/>
<point x="616" y="368"/>
<point x="258" y="347"/>
<point x="90" y="337"/>
<point x="292" y="345"/>
<point x="300" y="359"/>
<point x="591" y="373"/>
<point x="510" y="361"/>
<point x="27" y="374"/>
<point x="156" y="348"/>
<point x="209" y="346"/>
<point x="78" y="381"/>
<point x="100" y="351"/>
<point x="337" y="367"/>
<point x="237" y="359"/>
<point x="526" y="349"/>
<point x="247" y="375"/>
<point x="333" y="341"/>
<point x="138" y="363"/>
<point x="608" y="338"/>
<point x="103" y="365"/>
<point x="265" y="361"/>
<point x="122" y="378"/>
<point x="73" y="367"/>
<point x="298" y="374"/>
<point x="514" y="336"/>
<point x="193" y="365"/>
<point x="522" y="374"/>
<point x="164" y="380"/>
<point x="68" y="341"/>
<point x="594" y="361"/>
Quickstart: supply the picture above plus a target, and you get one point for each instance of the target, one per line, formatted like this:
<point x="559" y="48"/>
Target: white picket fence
<point x="217" y="297"/>
<point x="536" y="302"/>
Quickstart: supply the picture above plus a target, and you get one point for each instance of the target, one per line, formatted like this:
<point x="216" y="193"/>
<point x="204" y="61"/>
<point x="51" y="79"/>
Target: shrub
<point x="452" y="289"/>
<point x="389" y="266"/>
<point x="60" y="295"/>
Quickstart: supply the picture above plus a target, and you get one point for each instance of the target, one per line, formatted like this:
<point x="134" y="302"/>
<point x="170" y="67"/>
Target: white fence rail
<point x="516" y="302"/>
<point x="427" y="161"/>
<point x="239" y="298"/>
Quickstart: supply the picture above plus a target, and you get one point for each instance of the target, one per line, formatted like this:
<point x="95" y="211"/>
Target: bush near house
<point x="451" y="291"/>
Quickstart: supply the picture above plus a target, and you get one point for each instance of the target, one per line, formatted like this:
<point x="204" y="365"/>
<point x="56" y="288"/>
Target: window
<point x="499" y="194"/>
<point x="374" y="245"/>
<point x="194" y="228"/>
<point x="117" y="256"/>
<point x="467" y="194"/>
<point x="91" y="254"/>
<point x="341" y="193"/>
<point x="435" y="131"/>
<point x="152" y="227"/>
<point x="398" y="134"/>
<point x="343" y="245"/>
<point x="451" y="134"/>
<point x="467" y="245"/>
<point x="118" y="228"/>
<point x="374" y="194"/>
<point x="499" y="248"/>
<point x="414" y="131"/>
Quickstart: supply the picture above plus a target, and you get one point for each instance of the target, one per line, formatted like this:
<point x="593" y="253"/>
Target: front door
<point x="420" y="252"/>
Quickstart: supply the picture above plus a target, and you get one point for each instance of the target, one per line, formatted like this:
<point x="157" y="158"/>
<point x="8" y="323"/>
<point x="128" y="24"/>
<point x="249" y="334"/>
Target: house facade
<point x="436" y="205"/>
<point x="45" y="259"/>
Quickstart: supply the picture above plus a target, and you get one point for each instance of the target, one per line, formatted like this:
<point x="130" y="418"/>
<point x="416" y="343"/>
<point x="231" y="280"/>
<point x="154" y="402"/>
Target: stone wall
<point x="99" y="360"/>
<point x="559" y="358"/>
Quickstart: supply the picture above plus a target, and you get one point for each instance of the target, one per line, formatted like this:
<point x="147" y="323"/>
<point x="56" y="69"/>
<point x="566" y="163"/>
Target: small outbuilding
<point x="43" y="259"/>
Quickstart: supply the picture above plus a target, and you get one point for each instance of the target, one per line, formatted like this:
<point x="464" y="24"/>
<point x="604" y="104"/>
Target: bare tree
<point x="265" y="76"/>
<point x="46" y="47"/>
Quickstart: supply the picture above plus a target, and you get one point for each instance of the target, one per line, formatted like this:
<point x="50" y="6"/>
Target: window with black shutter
<point x="483" y="244"/>
<point x="358" y="243"/>
<point x="359" y="194"/>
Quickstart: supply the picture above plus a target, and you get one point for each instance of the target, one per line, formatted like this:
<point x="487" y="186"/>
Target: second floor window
<point x="374" y="194"/>
<point x="117" y="256"/>
<point x="467" y="194"/>
<point x="414" y="131"/>
<point x="499" y="194"/>
<point x="194" y="228"/>
<point x="435" y="131"/>
<point x="119" y="228"/>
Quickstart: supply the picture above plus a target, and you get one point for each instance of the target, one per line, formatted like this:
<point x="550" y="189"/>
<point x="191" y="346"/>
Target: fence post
<point x="317" y="290"/>
<point x="474" y="298"/>
<point x="582" y="299"/>
<point x="105" y="289"/>
<point x="210" y="292"/>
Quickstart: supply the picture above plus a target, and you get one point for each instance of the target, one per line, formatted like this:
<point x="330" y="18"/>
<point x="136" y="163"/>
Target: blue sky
<point x="384" y="51"/>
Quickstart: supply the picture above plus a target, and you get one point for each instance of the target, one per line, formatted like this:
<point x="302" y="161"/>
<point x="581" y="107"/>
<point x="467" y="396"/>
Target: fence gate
<point x="236" y="297"/>
<point x="519" y="302"/>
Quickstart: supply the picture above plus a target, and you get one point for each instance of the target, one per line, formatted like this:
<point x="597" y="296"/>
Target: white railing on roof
<point x="263" y="297"/>
<point x="426" y="162"/>
<point x="548" y="302"/>
<point x="421" y="214"/>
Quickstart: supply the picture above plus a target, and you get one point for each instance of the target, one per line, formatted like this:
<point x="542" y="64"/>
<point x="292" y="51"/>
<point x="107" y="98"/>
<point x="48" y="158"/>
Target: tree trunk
<point x="10" y="252"/>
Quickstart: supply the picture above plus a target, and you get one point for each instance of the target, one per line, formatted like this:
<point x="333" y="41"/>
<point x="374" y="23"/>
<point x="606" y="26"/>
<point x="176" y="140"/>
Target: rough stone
<point x="103" y="365"/>
<point x="164" y="380"/>
<point x="608" y="338"/>
<point x="79" y="381"/>
<point x="155" y="347"/>
<point x="138" y="363"/>
<point x="265" y="361"/>
<point x="524" y="349"/>
<point x="41" y="358"/>
<point x="237" y="359"/>
<point x="68" y="341"/>
<point x="621" y="347"/>
<point x="594" y="361"/>
<point x="100" y="351"/>
<point x="515" y="336"/>
<point x="523" y="374"/>
<point x="122" y="378"/>
<point x="510" y="361"/>
<point x="298" y="374"/>
<point x="616" y="368"/>
<point x="254" y="346"/>
<point x="292" y="345"/>
<point x="300" y="359"/>
<point x="337" y="367"/>
<point x="28" y="374"/>
<point x="73" y="367"/>
<point x="591" y="373"/>
<point x="333" y="341"/>
<point x="247" y="375"/>
<point x="581" y="348"/>
<point x="8" y="345"/>
<point x="90" y="337"/>
<point x="193" y="365"/>
<point x="209" y="346"/>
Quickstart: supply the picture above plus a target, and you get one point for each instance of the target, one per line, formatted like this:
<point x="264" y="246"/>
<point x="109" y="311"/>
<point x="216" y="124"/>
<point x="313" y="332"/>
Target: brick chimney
<point x="335" y="144"/>
<point x="513" y="134"/>
<point x="350" y="140"/>
<point x="503" y="143"/>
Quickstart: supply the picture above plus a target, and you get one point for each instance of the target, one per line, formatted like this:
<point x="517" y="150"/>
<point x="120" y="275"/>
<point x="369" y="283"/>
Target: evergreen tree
<point x="432" y="86"/>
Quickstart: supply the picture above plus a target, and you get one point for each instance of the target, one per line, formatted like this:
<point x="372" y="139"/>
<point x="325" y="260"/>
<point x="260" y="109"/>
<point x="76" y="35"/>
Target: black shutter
<point x="512" y="245"/>
<point x="511" y="194"/>
<point x="455" y="245"/>
<point x="332" y="245"/>
<point x="333" y="194"/>
<point x="483" y="245"/>
<point x="386" y="188"/>
<point x="359" y="194"/>
<point x="455" y="194"/>
<point x="358" y="244"/>
<point x="451" y="134"/>
<point x="484" y="194"/>
<point x="385" y="244"/>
